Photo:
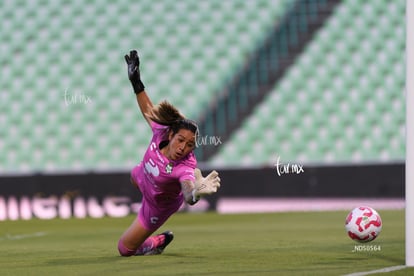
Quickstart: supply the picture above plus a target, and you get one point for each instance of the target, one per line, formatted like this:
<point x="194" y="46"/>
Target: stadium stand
<point x="265" y="66"/>
<point x="342" y="100"/>
<point x="65" y="101"/>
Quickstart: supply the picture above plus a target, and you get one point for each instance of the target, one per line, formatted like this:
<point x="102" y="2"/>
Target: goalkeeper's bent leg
<point x="123" y="250"/>
<point x="152" y="245"/>
<point x="134" y="237"/>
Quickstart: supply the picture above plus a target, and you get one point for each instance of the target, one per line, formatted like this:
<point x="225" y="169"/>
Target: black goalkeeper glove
<point x="133" y="71"/>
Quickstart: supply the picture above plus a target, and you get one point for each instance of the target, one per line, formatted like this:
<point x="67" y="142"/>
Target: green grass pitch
<point x="299" y="243"/>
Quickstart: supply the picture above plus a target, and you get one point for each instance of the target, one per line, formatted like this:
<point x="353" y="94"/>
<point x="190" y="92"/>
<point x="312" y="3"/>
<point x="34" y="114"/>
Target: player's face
<point x="181" y="144"/>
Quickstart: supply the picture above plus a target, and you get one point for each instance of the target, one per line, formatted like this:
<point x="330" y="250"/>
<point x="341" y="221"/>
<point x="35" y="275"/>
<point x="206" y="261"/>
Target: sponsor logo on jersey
<point x="169" y="168"/>
<point x="152" y="168"/>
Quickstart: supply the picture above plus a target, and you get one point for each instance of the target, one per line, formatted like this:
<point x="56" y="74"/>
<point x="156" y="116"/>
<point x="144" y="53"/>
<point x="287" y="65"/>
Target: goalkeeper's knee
<point x="123" y="250"/>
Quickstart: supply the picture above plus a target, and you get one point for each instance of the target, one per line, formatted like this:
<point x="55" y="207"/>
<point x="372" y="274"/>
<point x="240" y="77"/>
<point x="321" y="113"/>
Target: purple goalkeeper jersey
<point x="158" y="177"/>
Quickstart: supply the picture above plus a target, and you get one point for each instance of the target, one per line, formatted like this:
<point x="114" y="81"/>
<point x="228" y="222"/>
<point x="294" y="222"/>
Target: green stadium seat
<point x="339" y="102"/>
<point x="186" y="57"/>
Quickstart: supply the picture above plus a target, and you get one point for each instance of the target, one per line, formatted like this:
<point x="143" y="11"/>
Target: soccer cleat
<point x="168" y="237"/>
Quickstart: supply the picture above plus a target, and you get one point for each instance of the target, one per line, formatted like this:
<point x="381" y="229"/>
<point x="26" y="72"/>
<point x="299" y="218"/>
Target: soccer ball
<point x="363" y="224"/>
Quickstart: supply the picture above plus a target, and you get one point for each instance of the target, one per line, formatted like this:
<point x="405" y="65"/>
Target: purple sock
<point x="149" y="244"/>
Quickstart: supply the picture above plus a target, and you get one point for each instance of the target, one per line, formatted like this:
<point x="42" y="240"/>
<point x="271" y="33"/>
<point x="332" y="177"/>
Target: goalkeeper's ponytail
<point x="166" y="114"/>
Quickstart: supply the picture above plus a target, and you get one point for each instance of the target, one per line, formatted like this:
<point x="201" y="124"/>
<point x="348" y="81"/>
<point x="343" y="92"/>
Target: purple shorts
<point x="155" y="209"/>
<point x="151" y="218"/>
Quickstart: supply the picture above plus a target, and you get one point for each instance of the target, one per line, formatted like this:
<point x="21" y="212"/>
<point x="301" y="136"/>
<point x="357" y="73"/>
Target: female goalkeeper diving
<point x="167" y="175"/>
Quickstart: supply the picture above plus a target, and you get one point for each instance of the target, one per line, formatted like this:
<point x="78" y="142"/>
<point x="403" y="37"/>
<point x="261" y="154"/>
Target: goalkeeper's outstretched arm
<point x="134" y="75"/>
<point x="194" y="190"/>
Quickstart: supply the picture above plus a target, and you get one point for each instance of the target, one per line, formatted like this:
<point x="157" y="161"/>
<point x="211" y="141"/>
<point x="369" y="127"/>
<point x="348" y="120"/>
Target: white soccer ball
<point x="363" y="224"/>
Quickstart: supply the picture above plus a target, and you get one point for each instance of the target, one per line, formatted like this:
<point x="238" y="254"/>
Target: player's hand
<point x="207" y="185"/>
<point x="133" y="71"/>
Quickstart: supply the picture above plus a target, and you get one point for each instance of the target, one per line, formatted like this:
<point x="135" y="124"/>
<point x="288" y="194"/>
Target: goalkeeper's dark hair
<point x="166" y="114"/>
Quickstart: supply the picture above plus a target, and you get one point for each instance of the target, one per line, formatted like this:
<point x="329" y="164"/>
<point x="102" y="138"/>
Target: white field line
<point x="9" y="237"/>
<point x="382" y="270"/>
